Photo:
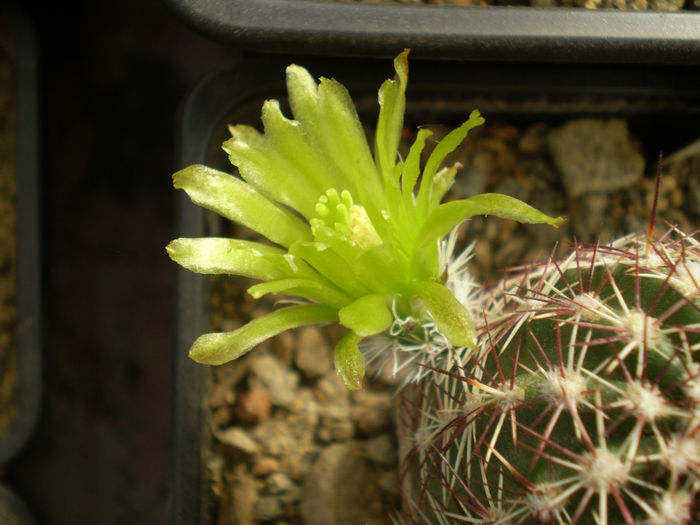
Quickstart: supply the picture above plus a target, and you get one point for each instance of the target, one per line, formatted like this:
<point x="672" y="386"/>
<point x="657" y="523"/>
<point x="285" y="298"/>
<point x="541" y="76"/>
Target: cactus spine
<point x="582" y="403"/>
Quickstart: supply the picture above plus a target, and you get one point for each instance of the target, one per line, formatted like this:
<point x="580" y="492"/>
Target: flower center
<point x="338" y="213"/>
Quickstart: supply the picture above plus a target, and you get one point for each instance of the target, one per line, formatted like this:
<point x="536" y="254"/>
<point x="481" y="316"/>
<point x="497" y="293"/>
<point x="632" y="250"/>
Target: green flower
<point x="356" y="234"/>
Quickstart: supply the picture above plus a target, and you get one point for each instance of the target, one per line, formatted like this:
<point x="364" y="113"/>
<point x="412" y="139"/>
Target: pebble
<point x="534" y="139"/>
<point x="341" y="489"/>
<point x="313" y="354"/>
<point x="267" y="508"/>
<point x="274" y="437"/>
<point x="239" y="439"/>
<point x="243" y="498"/>
<point x="389" y="481"/>
<point x="280" y="381"/>
<point x="330" y="388"/>
<point x="253" y="405"/>
<point x="382" y="450"/>
<point x="279" y="482"/>
<point x="372" y="411"/>
<point x="336" y="429"/>
<point x="264" y="465"/>
<point x="595" y="155"/>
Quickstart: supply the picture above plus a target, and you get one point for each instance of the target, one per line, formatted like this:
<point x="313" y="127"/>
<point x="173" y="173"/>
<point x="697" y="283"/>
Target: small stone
<point x="382" y="450"/>
<point x="534" y="140"/>
<point x="299" y="463"/>
<point x="588" y="215"/>
<point x="372" y="411"/>
<point x="239" y="439"/>
<point x="341" y="489"/>
<point x="313" y="354"/>
<point x="336" y="422"/>
<point x="292" y="495"/>
<point x="254" y="405"/>
<point x="265" y="465"/>
<point x="244" y="496"/>
<point x="283" y="346"/>
<point x="389" y="481"/>
<point x="267" y="508"/>
<point x="279" y="482"/>
<point x="280" y="382"/>
<point x="337" y="411"/>
<point x="274" y="437"/>
<point x="330" y="388"/>
<point x="338" y="430"/>
<point x="666" y="5"/>
<point x="222" y="416"/>
<point x="595" y="155"/>
<point x="476" y="175"/>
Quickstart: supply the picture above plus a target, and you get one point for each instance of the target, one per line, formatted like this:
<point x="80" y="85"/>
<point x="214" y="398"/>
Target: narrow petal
<point x="213" y="255"/>
<point x="411" y="168"/>
<point x="349" y="362"/>
<point x="309" y="289"/>
<point x="262" y="165"/>
<point x="448" y="215"/>
<point x="392" y="103"/>
<point x="239" y="202"/>
<point x="331" y="265"/>
<point x="450" y="316"/>
<point x="220" y="348"/>
<point x="447" y="145"/>
<point x="368" y="315"/>
<point x="442" y="183"/>
<point x="344" y="138"/>
<point x="289" y="138"/>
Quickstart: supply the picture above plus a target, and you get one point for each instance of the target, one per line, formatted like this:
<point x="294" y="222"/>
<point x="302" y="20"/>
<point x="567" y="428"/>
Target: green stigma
<point x="338" y="213"/>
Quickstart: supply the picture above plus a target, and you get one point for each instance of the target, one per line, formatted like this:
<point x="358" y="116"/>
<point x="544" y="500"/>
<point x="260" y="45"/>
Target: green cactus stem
<point x="581" y="405"/>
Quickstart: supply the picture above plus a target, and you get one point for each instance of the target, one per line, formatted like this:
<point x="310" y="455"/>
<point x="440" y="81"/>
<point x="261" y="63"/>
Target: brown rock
<point x="313" y="355"/>
<point x="595" y="155"/>
<point x="254" y="405"/>
<point x="264" y="465"/>
<point x="341" y="489"/>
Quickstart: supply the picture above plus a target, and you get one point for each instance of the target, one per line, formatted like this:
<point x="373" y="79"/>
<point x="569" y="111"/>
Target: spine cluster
<point x="581" y="403"/>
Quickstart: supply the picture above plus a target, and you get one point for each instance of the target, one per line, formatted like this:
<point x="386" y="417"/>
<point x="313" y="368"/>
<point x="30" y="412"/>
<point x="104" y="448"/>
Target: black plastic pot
<point x="28" y="282"/>
<point x="663" y="102"/>
<point x="28" y="287"/>
<point x="448" y="32"/>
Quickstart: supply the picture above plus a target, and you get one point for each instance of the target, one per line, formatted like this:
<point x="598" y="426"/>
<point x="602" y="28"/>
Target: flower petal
<point x="263" y="166"/>
<point x="392" y="103"/>
<point x="447" y="145"/>
<point x="213" y="255"/>
<point x="288" y="137"/>
<point x="307" y="288"/>
<point x="349" y="362"/>
<point x="220" y="348"/>
<point x="241" y="203"/>
<point x="368" y="315"/>
<point x="451" y="317"/>
<point x="448" y="215"/>
<point x="331" y="265"/>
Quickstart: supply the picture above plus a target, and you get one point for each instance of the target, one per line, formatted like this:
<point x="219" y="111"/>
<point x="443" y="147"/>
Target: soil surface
<point x="292" y="445"/>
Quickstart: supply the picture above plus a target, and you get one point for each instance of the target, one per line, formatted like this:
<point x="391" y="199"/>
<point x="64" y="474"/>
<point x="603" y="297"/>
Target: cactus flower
<point x="354" y="233"/>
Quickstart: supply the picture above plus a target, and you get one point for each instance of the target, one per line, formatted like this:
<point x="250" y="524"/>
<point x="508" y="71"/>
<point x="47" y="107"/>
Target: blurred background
<point x="112" y="77"/>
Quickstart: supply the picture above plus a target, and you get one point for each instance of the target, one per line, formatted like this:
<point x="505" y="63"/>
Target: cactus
<point x="582" y="402"/>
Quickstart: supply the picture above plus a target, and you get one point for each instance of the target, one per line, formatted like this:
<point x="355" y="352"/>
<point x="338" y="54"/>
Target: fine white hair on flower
<point x="413" y="347"/>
